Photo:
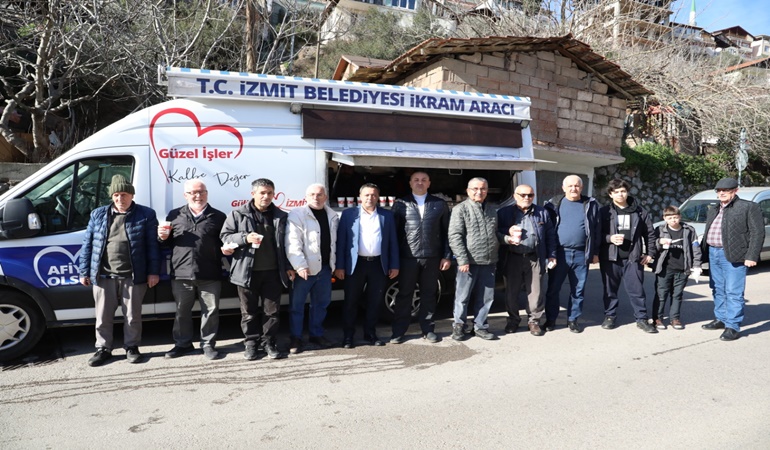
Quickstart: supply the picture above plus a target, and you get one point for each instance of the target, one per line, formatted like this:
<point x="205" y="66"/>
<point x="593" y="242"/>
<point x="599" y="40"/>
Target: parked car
<point x="695" y="208"/>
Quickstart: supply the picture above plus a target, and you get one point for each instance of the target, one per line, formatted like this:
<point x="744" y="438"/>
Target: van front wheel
<point x="21" y="325"/>
<point x="391" y="292"/>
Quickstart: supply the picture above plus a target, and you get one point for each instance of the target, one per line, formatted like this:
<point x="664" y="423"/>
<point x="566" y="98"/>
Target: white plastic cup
<point x="665" y="242"/>
<point x="165" y="227"/>
<point x="259" y="241"/>
<point x="351" y="202"/>
<point x="359" y="201"/>
<point x="383" y="200"/>
<point x="340" y="202"/>
<point x="516" y="237"/>
<point x="391" y="201"/>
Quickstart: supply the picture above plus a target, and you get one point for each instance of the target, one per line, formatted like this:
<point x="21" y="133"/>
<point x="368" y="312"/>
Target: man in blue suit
<point x="367" y="255"/>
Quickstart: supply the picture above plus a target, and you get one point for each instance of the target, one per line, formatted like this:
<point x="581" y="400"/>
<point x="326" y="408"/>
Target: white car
<point x="694" y="211"/>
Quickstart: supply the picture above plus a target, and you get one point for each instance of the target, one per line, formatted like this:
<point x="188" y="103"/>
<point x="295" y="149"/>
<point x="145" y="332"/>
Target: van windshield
<point x="694" y="211"/>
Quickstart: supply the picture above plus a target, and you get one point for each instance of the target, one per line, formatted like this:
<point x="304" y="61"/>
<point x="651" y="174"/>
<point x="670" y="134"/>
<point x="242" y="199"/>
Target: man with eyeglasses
<point x="196" y="268"/>
<point x="731" y="244"/>
<point x="472" y="238"/>
<point x="526" y="233"/>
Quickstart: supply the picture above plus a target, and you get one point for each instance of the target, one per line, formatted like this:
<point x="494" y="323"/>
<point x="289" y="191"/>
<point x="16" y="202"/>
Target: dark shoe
<point x="535" y="329"/>
<point x="677" y="324"/>
<point x="511" y="326"/>
<point x="431" y="337"/>
<point x="132" y="354"/>
<point x="210" y="353"/>
<point x="574" y="327"/>
<point x="251" y="352"/>
<point x="714" y="325"/>
<point x="730" y="335"/>
<point x="609" y="323"/>
<point x="101" y="356"/>
<point x="177" y="351"/>
<point x="321" y="342"/>
<point x="659" y="324"/>
<point x="397" y="339"/>
<point x="348" y="343"/>
<point x="549" y="325"/>
<point x="272" y="351"/>
<point x="484" y="334"/>
<point x="645" y="326"/>
<point x="458" y="334"/>
<point x="375" y="341"/>
<point x="295" y="345"/>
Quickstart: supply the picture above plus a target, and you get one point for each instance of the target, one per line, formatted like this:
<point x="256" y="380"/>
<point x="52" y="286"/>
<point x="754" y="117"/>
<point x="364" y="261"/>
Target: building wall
<point x="570" y="108"/>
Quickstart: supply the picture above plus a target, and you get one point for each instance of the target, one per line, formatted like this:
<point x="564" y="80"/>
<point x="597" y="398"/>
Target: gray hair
<point x="477" y="179"/>
<point x="262" y="182"/>
<point x="189" y="183"/>
<point x="316" y="185"/>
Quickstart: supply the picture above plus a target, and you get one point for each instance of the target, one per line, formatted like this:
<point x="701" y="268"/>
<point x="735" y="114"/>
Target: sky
<point x="752" y="15"/>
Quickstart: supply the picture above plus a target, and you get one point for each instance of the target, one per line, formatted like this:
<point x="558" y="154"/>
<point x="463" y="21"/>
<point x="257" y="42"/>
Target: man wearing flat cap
<point x="731" y="244"/>
<point x="120" y="258"/>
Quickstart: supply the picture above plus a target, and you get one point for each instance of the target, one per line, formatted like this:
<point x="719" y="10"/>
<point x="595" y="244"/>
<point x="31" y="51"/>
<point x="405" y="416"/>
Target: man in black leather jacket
<point x="422" y="222"/>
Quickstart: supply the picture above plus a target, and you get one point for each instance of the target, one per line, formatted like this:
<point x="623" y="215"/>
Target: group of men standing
<point x="366" y="246"/>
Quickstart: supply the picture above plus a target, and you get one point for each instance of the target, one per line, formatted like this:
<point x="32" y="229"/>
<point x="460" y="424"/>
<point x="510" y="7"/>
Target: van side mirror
<point x="20" y="220"/>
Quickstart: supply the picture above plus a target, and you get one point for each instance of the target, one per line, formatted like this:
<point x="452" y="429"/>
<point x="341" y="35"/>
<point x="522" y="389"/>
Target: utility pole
<point x="742" y="156"/>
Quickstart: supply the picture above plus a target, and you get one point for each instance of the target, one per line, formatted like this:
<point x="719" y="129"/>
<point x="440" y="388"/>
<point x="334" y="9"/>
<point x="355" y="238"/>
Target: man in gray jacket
<point x="473" y="240"/>
<point x="260" y="270"/>
<point x="732" y="242"/>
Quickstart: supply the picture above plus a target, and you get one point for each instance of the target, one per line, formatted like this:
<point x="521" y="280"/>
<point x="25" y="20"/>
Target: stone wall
<point x="654" y="196"/>
<point x="570" y="108"/>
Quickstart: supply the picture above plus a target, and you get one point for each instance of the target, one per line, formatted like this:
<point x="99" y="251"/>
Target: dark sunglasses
<point x="525" y="195"/>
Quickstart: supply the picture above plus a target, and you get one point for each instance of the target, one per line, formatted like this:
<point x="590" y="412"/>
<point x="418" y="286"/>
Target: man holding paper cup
<point x="192" y="233"/>
<point x="628" y="244"/>
<point x="528" y="240"/>
<point x="260" y="269"/>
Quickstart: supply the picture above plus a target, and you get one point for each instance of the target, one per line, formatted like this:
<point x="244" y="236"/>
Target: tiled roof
<point x="434" y="49"/>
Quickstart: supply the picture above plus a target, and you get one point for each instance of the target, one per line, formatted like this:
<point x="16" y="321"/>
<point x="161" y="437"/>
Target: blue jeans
<point x="477" y="283"/>
<point x="727" y="282"/>
<point x="570" y="263"/>
<point x="319" y="287"/>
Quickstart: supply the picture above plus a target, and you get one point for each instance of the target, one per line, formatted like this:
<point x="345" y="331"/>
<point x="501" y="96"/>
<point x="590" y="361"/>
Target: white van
<point x="229" y="129"/>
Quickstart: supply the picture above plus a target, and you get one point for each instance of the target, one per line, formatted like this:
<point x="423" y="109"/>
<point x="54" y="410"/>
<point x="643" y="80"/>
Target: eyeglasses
<point x="194" y="193"/>
<point x="478" y="189"/>
<point x="525" y="195"/>
<point x="724" y="190"/>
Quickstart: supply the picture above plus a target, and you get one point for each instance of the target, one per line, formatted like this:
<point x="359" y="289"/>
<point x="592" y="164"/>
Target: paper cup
<point x="340" y="202"/>
<point x="259" y="242"/>
<point x="383" y="200"/>
<point x="391" y="201"/>
<point x="351" y="202"/>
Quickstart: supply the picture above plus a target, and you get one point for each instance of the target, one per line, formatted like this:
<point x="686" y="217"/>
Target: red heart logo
<point x="201" y="131"/>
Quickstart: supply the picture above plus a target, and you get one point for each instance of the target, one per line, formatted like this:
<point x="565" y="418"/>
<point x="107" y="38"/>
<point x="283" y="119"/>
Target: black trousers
<point x="366" y="284"/>
<point x="424" y="271"/>
<point x="259" y="306"/>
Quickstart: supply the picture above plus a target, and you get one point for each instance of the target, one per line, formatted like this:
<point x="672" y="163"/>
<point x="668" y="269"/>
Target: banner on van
<point x="184" y="82"/>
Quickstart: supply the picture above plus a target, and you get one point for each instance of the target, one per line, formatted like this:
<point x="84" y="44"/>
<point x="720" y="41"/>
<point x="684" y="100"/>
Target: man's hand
<point x="85" y="281"/>
<point x="464" y="268"/>
<point x="339" y="274"/>
<point x="152" y="280"/>
<point x="646" y="259"/>
<point x="303" y="273"/>
<point x="595" y="259"/>
<point x="392" y="273"/>
<point x="163" y="233"/>
<point x="444" y="264"/>
<point x="291" y="274"/>
<point x="749" y="263"/>
<point x="227" y="251"/>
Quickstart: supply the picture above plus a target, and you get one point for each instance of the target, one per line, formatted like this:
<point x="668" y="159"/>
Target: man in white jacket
<point x="311" y="237"/>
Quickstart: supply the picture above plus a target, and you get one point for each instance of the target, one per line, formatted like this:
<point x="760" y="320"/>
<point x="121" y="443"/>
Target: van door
<point x="46" y="266"/>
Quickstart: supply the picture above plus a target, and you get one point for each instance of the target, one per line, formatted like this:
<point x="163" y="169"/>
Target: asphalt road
<point x="599" y="389"/>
